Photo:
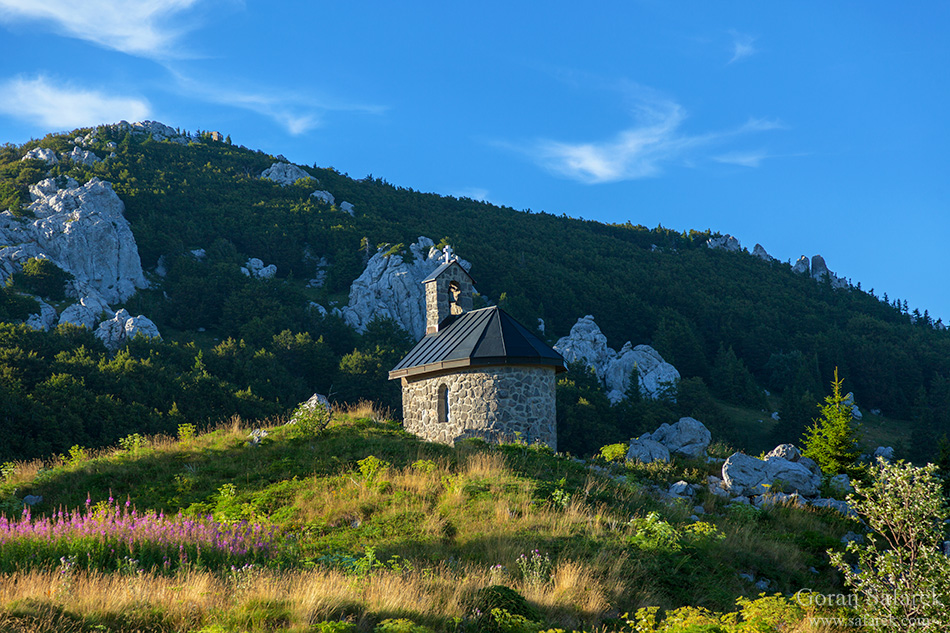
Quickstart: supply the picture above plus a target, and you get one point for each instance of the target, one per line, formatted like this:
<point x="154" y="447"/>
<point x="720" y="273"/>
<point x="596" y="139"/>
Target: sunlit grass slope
<point x="373" y="524"/>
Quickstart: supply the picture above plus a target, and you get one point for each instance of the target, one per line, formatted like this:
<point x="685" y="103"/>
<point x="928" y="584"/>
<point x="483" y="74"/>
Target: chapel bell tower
<point x="448" y="292"/>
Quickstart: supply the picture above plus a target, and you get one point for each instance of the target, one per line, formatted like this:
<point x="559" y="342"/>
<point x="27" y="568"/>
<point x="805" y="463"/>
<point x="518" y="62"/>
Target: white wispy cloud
<point x="296" y="112"/>
<point x="742" y="46"/>
<point x="146" y="28"/>
<point x="475" y="193"/>
<point x="643" y="150"/>
<point x="45" y="102"/>
<point x="752" y="158"/>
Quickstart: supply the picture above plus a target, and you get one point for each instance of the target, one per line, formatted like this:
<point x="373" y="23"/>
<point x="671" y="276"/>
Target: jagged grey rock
<point x="586" y="343"/>
<point x="802" y="266"/>
<point x="82" y="230"/>
<point x="746" y="475"/>
<point x="681" y="488"/>
<point x="49" y="186"/>
<point x="688" y="437"/>
<point x="725" y="242"/>
<point x="886" y="452"/>
<point x="123" y="327"/>
<point x="840" y="485"/>
<point x="44" y="319"/>
<point x="88" y="312"/>
<point x="42" y="153"/>
<point x="159" y="131"/>
<point x="647" y="451"/>
<point x="346" y="207"/>
<point x="819" y="270"/>
<point x="834" y="504"/>
<point x="81" y="157"/>
<point x="255" y="268"/>
<point x="323" y="196"/>
<point x="284" y="174"/>
<point x="390" y="287"/>
<point x="760" y="252"/>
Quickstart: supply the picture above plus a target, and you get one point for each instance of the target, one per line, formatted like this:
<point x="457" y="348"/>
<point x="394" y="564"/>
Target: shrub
<point x="308" y="420"/>
<point x="401" y="625"/>
<point x="492" y="597"/>
<point x="902" y="573"/>
<point x="42" y="277"/>
<point x="614" y="452"/>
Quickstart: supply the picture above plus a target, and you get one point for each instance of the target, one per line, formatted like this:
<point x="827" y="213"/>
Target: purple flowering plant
<point x="103" y="535"/>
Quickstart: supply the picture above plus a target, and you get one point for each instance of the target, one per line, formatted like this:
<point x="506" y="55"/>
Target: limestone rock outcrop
<point x="802" y="266"/>
<point x="391" y="287"/>
<point x="42" y="153"/>
<point x="88" y="311"/>
<point x="284" y="174"/>
<point x="819" y="270"/>
<point x="725" y="242"/>
<point x="44" y="319"/>
<point x="323" y="196"/>
<point x="82" y="230"/>
<point x="647" y="451"/>
<point x="748" y="476"/>
<point x="346" y="207"/>
<point x="81" y="157"/>
<point x="760" y="252"/>
<point x="586" y="343"/>
<point x="123" y="327"/>
<point x="255" y="268"/>
<point x="689" y="437"/>
<point x="159" y="131"/>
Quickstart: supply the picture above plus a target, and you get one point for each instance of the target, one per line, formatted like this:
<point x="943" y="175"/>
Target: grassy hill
<point x="362" y="523"/>
<point x="733" y="324"/>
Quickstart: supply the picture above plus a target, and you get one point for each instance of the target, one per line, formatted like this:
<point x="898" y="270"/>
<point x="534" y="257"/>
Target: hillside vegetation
<point x="732" y="324"/>
<point x="361" y="523"/>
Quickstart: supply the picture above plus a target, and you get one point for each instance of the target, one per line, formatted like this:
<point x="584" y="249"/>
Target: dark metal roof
<point x="489" y="336"/>
<point x="438" y="271"/>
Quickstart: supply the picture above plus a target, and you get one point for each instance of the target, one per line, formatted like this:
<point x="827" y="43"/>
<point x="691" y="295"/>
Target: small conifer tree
<point x="832" y="439"/>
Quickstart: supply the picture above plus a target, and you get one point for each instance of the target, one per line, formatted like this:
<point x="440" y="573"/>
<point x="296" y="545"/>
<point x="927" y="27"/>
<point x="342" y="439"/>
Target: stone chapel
<point x="476" y="373"/>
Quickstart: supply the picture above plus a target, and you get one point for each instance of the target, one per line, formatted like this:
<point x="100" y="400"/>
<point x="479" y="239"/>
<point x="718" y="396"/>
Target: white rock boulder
<point x="802" y="266"/>
<point x="346" y="207"/>
<point x="586" y="343"/>
<point x="284" y="174"/>
<point x="323" y="196"/>
<point x="255" y="268"/>
<point x="647" y="451"/>
<point x="82" y="230"/>
<point x="392" y="288"/>
<point x="123" y="327"/>
<point x="748" y="476"/>
<point x="88" y="312"/>
<point x="724" y="242"/>
<point x="688" y="437"/>
<point x="81" y="157"/>
<point x="42" y="153"/>
<point x="44" y="319"/>
<point x="760" y="252"/>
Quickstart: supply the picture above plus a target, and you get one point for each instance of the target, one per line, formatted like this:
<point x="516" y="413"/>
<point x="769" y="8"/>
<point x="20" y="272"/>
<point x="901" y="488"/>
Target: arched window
<point x="443" y="404"/>
<point x="455" y="292"/>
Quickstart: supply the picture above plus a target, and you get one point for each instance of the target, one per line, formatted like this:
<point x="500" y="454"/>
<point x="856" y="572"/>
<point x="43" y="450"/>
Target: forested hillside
<point x="733" y="324"/>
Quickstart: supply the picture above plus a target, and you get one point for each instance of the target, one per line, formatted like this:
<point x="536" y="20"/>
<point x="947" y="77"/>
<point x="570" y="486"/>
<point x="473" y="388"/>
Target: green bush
<point x="308" y="420"/>
<point x="614" y="452"/>
<point x="493" y="597"/>
<point x="42" y="277"/>
<point x="401" y="625"/>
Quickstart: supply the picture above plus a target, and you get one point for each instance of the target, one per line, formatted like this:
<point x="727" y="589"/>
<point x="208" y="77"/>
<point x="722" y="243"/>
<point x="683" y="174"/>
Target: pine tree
<point x="832" y="440"/>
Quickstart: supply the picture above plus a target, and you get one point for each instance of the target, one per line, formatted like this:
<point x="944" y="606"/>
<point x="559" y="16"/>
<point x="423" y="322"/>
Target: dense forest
<point x="734" y="325"/>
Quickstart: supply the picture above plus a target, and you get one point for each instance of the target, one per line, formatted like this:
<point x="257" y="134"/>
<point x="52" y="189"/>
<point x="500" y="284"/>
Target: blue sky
<point x="808" y="127"/>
